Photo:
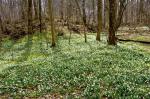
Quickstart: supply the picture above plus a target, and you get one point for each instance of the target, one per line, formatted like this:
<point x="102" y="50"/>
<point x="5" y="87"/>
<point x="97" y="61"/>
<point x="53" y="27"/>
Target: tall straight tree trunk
<point x="52" y="23"/>
<point x="84" y="12"/>
<point x="35" y="9"/>
<point x="93" y="6"/>
<point x="2" y="29"/>
<point x="30" y="30"/>
<point x="40" y="15"/>
<point x="107" y="14"/>
<point x="1" y="24"/>
<point x="112" y="24"/>
<point x="99" y="17"/>
<point x="141" y="10"/>
<point x="84" y="18"/>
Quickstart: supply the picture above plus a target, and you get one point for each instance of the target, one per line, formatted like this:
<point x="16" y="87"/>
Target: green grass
<point x="80" y="70"/>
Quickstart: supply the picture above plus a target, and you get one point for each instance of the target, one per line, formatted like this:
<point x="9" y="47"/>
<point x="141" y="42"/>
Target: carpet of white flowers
<point x="77" y="70"/>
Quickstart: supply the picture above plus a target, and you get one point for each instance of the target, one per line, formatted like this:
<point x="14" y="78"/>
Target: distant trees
<point x="62" y="10"/>
<point x="82" y="13"/>
<point x="23" y="9"/>
<point x="84" y="16"/>
<point x="16" y="9"/>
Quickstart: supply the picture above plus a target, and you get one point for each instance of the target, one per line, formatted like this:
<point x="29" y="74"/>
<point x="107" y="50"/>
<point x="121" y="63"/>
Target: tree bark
<point x="2" y="30"/>
<point x="35" y="9"/>
<point x="84" y="12"/>
<point x="99" y="17"/>
<point x="40" y="15"/>
<point x="30" y="30"/>
<point x="107" y="14"/>
<point x="112" y="20"/>
<point x="1" y="24"/>
<point x="52" y="23"/>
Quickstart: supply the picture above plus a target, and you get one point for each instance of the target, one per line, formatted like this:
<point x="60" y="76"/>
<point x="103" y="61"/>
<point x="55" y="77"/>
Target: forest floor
<point x="137" y="34"/>
<point x="90" y="70"/>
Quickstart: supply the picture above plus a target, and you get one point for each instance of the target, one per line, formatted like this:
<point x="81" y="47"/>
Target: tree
<point x="35" y="9"/>
<point x="107" y="14"/>
<point x="30" y="30"/>
<point x="115" y="19"/>
<point x="62" y="10"/>
<point x="93" y="6"/>
<point x="52" y="24"/>
<point x="2" y="30"/>
<point x="121" y="9"/>
<point x="83" y="15"/>
<point x="1" y="24"/>
<point x="99" y="17"/>
<point x="40" y="15"/>
<point x="112" y="18"/>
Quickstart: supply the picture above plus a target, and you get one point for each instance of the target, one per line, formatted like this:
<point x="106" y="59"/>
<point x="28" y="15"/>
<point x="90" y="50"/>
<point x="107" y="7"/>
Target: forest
<point x="74" y="49"/>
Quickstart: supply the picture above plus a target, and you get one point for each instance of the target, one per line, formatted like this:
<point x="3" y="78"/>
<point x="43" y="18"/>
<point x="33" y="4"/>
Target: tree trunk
<point x="99" y="17"/>
<point x="93" y="6"/>
<point x="84" y="12"/>
<point x="35" y="9"/>
<point x="62" y="10"/>
<point x="107" y="14"/>
<point x="52" y="23"/>
<point x="40" y="15"/>
<point x="1" y="24"/>
<point x="30" y="30"/>
<point x="2" y="30"/>
<point x="112" y="20"/>
<point x="84" y="18"/>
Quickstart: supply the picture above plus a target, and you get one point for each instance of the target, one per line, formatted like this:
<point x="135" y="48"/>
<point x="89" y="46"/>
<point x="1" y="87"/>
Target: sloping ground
<point x="141" y="38"/>
<point x="79" y="70"/>
<point x="132" y="29"/>
<point x="139" y="46"/>
<point x="137" y="34"/>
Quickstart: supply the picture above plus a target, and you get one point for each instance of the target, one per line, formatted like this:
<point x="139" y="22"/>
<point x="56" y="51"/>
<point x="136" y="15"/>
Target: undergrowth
<point x="77" y="70"/>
